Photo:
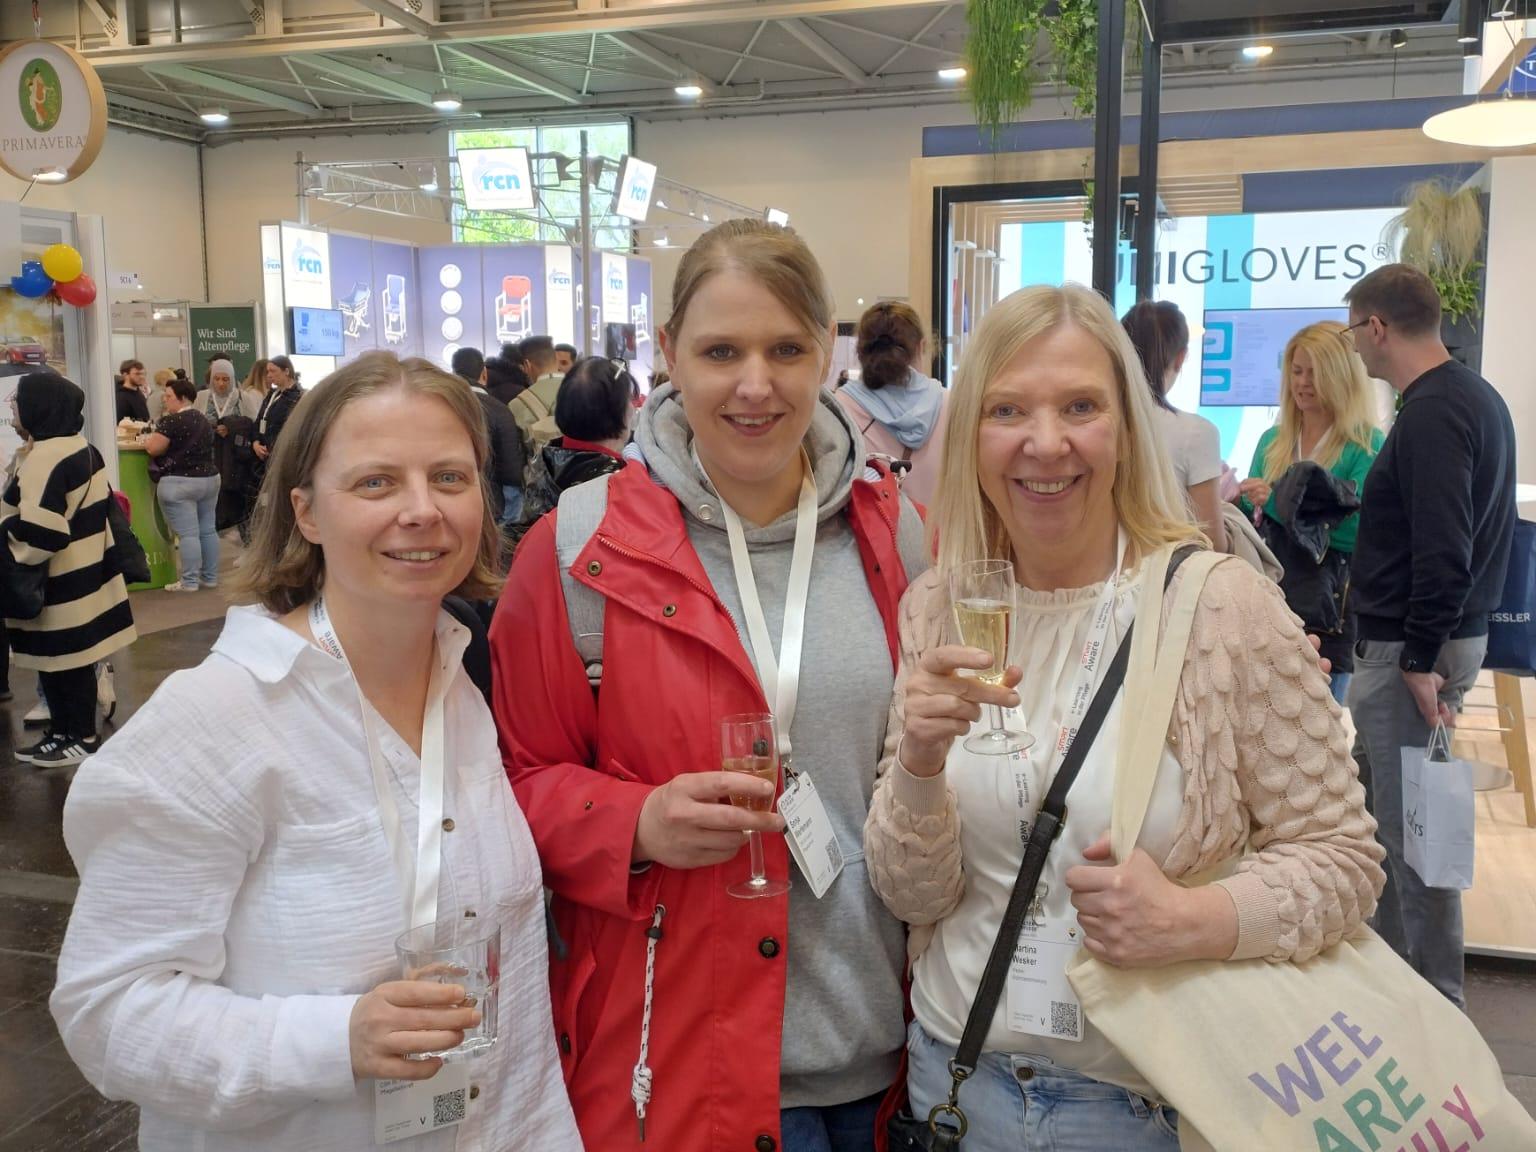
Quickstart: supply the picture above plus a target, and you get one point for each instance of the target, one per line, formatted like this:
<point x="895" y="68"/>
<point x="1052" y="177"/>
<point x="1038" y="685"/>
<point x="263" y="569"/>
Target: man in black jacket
<point x="1436" y="525"/>
<point x="504" y="468"/>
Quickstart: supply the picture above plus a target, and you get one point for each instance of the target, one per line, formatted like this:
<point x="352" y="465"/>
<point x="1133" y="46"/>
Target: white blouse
<point x="1049" y="633"/>
<point x="237" y="896"/>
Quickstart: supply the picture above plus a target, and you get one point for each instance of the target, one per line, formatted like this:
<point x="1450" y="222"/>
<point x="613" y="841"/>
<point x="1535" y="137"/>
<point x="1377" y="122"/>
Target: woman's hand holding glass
<point x="940" y="705"/>
<point x="689" y="822"/>
<point x="403" y="1017"/>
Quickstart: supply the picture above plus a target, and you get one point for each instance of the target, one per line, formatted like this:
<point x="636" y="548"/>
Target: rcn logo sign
<point x="499" y="178"/>
<point x="559" y="278"/>
<point x="307" y="262"/>
<point x="616" y="281"/>
<point x="640" y="192"/>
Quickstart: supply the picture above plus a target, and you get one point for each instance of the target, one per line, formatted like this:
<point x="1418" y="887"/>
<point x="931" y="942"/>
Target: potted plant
<point x="1440" y="231"/>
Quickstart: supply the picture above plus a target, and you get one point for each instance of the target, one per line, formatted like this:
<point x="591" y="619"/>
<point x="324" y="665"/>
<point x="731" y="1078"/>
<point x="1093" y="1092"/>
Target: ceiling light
<point x="689" y="91"/>
<point x="446" y="101"/>
<point x="1502" y="123"/>
<point x="1506" y="10"/>
<point x="1399" y="39"/>
<point x="662" y="241"/>
<point x="955" y="73"/>
<point x="860" y="301"/>
<point x="428" y="183"/>
<point x="965" y="245"/>
<point x="214" y="115"/>
<point x="1470" y="27"/>
<point x="1258" y="51"/>
<point x="50" y="175"/>
<point x="705" y="217"/>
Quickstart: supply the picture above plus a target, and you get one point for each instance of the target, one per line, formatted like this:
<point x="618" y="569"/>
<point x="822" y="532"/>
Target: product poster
<point x="452" y="307"/>
<point x="641" y="309"/>
<point x="352" y="293"/>
<point x="560" y="288"/>
<point x="513" y="285"/>
<point x="396" y="303"/>
<point x="227" y="333"/>
<point x="31" y="340"/>
<point x="615" y="288"/>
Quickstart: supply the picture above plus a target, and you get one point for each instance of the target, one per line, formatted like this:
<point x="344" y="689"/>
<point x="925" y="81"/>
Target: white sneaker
<point x="180" y="587"/>
<point x="39" y="715"/>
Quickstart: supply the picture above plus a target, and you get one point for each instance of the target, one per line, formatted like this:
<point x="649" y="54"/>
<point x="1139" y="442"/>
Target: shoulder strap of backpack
<point x="581" y="510"/>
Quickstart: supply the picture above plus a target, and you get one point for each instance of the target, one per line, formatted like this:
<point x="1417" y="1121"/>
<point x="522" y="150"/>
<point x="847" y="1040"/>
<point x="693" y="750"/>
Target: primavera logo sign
<point x="42" y="97"/>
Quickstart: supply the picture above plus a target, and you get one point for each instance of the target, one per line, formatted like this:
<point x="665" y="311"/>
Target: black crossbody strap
<point x="1048" y="824"/>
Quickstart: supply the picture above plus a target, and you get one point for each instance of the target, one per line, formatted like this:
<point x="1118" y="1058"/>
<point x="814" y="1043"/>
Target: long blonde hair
<point x="1343" y="388"/>
<point x="1147" y="497"/>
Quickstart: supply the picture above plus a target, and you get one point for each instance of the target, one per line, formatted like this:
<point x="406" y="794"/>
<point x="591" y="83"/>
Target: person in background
<point x="566" y="356"/>
<point x="771" y="1023"/>
<point x="283" y="393"/>
<point x="1436" y="524"/>
<point x="506" y="461"/>
<point x="898" y="410"/>
<point x="54" y="512"/>
<point x="156" y="398"/>
<point x="231" y="410"/>
<point x="1160" y="335"/>
<point x="1325" y="417"/>
<point x="223" y="396"/>
<point x="505" y="378"/>
<point x="534" y="408"/>
<point x="1051" y="392"/>
<point x="229" y="965"/>
<point x="254" y="387"/>
<point x="188" y="488"/>
<point x="595" y="410"/>
<point x="131" y="404"/>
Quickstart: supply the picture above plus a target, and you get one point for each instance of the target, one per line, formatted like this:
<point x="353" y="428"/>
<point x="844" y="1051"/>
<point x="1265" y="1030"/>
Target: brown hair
<point x="890" y="338"/>
<point x="284" y="571"/>
<point x="256" y="380"/>
<point x="185" y="390"/>
<point x="771" y="254"/>
<point x="128" y="366"/>
<point x="1160" y="335"/>
<point x="1399" y="295"/>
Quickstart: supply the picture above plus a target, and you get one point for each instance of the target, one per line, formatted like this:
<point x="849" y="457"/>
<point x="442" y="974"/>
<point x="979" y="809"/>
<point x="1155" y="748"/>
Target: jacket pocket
<point x="569" y="981"/>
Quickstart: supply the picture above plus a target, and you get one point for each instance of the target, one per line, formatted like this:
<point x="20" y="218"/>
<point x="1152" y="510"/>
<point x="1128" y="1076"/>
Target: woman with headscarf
<point x="231" y="409"/>
<point x="54" y="514"/>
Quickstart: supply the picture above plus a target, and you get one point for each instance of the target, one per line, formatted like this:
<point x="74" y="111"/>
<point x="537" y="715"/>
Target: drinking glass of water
<point x="463" y="950"/>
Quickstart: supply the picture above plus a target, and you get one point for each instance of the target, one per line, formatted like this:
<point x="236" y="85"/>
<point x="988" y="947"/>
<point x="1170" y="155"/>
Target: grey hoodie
<point x="843" y="1029"/>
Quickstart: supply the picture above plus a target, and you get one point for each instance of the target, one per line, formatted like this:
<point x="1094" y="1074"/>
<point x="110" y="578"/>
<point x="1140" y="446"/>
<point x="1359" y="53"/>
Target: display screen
<point x="1241" y="353"/>
<point x="315" y="332"/>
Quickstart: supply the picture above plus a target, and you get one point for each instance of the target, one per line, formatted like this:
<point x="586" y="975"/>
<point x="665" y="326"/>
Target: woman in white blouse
<point x="230" y="962"/>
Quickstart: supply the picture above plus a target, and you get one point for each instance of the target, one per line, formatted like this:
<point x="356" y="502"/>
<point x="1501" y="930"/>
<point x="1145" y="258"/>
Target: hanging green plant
<point x="1074" y="36"/>
<point x="999" y="58"/>
<point x="1440" y="232"/>
<point x="1458" y="292"/>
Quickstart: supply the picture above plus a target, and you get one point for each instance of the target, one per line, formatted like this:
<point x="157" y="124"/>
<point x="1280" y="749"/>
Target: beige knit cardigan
<point x="1268" y="777"/>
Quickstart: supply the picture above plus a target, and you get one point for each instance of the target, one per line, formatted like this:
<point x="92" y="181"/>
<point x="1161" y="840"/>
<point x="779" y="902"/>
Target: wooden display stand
<point x="1517" y="748"/>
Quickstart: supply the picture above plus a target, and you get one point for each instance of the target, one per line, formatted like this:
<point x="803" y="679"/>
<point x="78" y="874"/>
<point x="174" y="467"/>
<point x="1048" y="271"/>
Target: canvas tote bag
<point x="1347" y="1052"/>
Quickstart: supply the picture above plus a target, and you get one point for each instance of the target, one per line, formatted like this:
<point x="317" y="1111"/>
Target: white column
<point x="1508" y="361"/>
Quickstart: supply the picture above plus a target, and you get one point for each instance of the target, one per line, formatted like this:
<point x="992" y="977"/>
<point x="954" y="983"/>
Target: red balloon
<point x="80" y="291"/>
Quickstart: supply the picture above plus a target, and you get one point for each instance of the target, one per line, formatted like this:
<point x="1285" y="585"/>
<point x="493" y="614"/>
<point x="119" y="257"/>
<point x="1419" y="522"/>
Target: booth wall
<point x="256" y="181"/>
<point x="145" y="190"/>
<point x="1507" y="316"/>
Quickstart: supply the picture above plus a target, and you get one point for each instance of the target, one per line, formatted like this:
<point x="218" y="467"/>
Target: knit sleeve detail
<point x="1276" y="772"/>
<point x="912" y="833"/>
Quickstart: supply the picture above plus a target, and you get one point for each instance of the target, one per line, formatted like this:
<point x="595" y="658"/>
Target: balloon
<point x="33" y="281"/>
<point x="80" y="291"/>
<point x="62" y="262"/>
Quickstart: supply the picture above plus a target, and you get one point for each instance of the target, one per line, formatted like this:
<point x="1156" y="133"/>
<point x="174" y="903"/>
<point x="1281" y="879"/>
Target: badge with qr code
<point x="1041" y="1000"/>
<point x="808" y="829"/>
<point x="406" y="1108"/>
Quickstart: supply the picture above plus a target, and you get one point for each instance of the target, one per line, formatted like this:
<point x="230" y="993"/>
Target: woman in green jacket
<point x="1326" y="417"/>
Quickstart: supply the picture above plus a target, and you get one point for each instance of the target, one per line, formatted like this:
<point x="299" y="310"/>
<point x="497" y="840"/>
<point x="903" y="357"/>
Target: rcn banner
<point x="306" y="256"/>
<point x="496" y="179"/>
<point x="615" y="270"/>
<point x="560" y="291"/>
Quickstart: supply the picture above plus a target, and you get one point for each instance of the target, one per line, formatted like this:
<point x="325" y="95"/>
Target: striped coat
<point x="54" y="511"/>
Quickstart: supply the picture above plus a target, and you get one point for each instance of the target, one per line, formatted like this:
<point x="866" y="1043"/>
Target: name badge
<point x="406" y="1108"/>
<point x="812" y="842"/>
<point x="1041" y="1001"/>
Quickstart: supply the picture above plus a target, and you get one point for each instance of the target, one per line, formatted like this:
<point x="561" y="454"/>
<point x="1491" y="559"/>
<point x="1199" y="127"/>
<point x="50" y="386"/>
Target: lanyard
<point x="232" y="401"/>
<point x="1093" y="658"/>
<point x="420" y="893"/>
<point x="779" y="676"/>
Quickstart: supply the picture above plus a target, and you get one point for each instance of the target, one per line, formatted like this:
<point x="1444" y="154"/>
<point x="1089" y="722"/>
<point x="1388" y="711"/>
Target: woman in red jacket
<point x="690" y="1021"/>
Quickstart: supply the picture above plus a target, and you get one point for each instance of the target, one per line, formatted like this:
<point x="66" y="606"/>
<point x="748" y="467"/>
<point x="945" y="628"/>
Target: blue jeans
<point x="1338" y="686"/>
<point x="1026" y="1102"/>
<point x="836" y="1128"/>
<point x="189" y="504"/>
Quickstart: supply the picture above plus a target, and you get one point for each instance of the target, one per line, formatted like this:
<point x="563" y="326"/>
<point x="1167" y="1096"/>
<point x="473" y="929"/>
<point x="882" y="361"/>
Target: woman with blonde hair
<point x="1052" y="463"/>
<point x="1325" y="418"/>
<point x="230" y="963"/>
<point x="751" y="565"/>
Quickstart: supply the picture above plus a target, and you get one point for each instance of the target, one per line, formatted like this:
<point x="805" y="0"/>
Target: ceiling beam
<point x="392" y="11"/>
<point x="241" y="91"/>
<point x="151" y="107"/>
<point x="655" y="57"/>
<point x="516" y="72"/>
<point x="814" y="41"/>
<point x="363" y="78"/>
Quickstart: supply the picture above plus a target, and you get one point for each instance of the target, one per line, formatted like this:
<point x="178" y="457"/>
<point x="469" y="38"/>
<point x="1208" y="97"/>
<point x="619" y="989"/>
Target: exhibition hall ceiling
<point x="316" y="66"/>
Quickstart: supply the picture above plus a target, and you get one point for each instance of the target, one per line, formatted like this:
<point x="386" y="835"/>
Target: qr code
<point x="1064" y="1019"/>
<point x="448" y="1108"/>
<point x="834" y="855"/>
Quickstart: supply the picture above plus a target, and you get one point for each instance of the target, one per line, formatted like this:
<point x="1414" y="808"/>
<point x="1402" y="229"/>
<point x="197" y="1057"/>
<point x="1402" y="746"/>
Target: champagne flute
<point x="982" y="594"/>
<point x="749" y="743"/>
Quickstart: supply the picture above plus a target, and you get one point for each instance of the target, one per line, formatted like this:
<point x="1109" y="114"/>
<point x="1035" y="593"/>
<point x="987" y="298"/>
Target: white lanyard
<point x="231" y="401"/>
<point x="1094" y="657"/>
<point x="780" y="676"/>
<point x="418" y="876"/>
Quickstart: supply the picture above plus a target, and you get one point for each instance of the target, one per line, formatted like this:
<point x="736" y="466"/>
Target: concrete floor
<point x="45" y="1105"/>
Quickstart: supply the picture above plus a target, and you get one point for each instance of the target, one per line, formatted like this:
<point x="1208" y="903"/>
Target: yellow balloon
<point x="62" y="263"/>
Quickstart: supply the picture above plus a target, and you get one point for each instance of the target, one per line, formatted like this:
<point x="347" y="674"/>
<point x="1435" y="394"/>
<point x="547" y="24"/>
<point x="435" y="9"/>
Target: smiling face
<point x="750" y="378"/>
<point x="1303" y="384"/>
<point x="394" y="502"/>
<point x="1046" y="452"/>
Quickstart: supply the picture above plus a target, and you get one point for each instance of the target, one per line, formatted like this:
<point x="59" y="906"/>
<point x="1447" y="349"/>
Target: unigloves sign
<point x="496" y="179"/>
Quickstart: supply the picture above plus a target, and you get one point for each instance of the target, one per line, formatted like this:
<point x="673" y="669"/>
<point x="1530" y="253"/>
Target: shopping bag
<point x="1350" y="1051"/>
<point x="1512" y="625"/>
<point x="1438" y="814"/>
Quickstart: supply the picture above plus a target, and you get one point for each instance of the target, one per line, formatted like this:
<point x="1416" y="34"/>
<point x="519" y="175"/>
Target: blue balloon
<point x="33" y="281"/>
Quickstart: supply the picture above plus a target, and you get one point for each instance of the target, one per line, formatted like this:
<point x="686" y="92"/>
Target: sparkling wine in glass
<point x="982" y="594"/>
<point x="749" y="743"/>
